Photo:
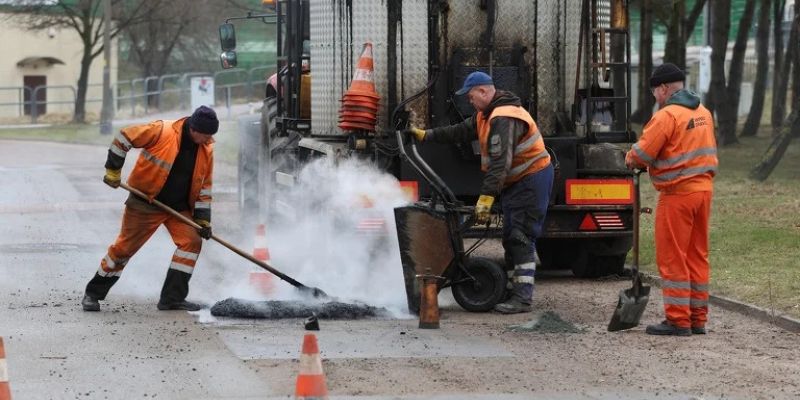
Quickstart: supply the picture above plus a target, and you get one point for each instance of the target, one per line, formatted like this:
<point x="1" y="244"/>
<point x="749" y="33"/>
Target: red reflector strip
<point x="609" y="221"/>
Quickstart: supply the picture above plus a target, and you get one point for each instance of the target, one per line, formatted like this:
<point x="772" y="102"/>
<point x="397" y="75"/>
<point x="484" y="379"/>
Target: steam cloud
<point x="318" y="241"/>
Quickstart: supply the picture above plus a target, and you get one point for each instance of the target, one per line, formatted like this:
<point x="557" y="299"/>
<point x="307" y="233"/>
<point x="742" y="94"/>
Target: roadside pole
<point x="107" y="112"/>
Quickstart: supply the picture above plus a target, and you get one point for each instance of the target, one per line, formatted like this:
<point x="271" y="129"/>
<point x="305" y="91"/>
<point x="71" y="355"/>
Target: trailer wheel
<point x="486" y="290"/>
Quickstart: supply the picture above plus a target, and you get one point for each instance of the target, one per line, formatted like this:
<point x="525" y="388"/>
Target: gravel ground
<point x="738" y="358"/>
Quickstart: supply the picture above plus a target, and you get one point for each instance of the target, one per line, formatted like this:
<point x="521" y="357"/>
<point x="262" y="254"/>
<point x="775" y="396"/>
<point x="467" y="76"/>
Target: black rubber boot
<point x="667" y="329"/>
<point x="176" y="287"/>
<point x="513" y="306"/>
<point x="180" y="305"/>
<point x="90" y="304"/>
<point x="98" y="287"/>
<point x="698" y="330"/>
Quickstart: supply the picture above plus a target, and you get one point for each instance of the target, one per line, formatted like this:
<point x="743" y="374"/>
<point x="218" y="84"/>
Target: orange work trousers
<point x="138" y="225"/>
<point x="682" y="256"/>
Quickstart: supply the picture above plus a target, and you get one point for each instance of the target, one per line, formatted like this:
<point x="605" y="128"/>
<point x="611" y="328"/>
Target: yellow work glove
<point x="483" y="209"/>
<point x="113" y="177"/>
<point x="205" y="228"/>
<point x="417" y="133"/>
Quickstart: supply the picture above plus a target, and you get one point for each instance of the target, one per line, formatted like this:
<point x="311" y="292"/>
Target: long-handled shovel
<point x="307" y="290"/>
<point x="633" y="301"/>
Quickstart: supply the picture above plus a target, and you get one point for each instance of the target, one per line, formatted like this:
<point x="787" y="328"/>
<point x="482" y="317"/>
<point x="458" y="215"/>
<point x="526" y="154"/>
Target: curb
<point x="762" y="314"/>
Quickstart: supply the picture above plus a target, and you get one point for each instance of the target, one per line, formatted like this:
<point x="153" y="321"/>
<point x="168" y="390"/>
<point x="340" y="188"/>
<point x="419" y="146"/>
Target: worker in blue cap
<point x="518" y="174"/>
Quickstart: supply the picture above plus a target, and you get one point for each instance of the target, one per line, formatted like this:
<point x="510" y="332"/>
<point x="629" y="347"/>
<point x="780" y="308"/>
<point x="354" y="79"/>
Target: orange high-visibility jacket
<point x="678" y="146"/>
<point x="160" y="142"/>
<point x="530" y="154"/>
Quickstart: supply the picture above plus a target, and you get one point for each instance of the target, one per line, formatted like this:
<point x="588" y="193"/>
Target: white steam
<point x="340" y="237"/>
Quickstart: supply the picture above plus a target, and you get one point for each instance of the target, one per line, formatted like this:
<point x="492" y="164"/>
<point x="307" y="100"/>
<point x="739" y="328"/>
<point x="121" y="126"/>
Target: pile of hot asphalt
<point x="275" y="309"/>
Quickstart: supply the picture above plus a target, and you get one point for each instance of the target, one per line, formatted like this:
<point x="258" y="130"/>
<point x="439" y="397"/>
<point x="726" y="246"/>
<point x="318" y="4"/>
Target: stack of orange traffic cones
<point x="311" y="379"/>
<point x="359" y="110"/>
<point x="260" y="280"/>
<point x="5" y="390"/>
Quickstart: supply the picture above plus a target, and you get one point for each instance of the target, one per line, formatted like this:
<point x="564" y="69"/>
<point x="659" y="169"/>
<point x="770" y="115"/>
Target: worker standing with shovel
<point x="175" y="167"/>
<point x="680" y="152"/>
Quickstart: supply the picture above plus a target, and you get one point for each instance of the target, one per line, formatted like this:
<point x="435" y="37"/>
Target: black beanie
<point x="204" y="120"/>
<point x="666" y="73"/>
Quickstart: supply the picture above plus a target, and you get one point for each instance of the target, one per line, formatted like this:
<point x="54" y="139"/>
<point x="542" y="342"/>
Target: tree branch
<point x="691" y="19"/>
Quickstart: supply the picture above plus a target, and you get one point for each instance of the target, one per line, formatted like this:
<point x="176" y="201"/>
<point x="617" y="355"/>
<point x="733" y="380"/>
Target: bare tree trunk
<point x="780" y="92"/>
<point x="796" y="54"/>
<point x="760" y="88"/>
<point x="778" y="110"/>
<point x="791" y="128"/>
<point x="675" y="50"/>
<point x="728" y="110"/>
<point x="691" y="20"/>
<point x="777" y="149"/>
<point x="720" y="27"/>
<point x="79" y="116"/>
<point x="645" y="102"/>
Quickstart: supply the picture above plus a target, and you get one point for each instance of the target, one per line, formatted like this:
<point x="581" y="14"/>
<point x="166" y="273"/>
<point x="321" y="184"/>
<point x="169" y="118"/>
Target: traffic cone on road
<point x="311" y="379"/>
<point x="360" y="104"/>
<point x="261" y="280"/>
<point x="5" y="390"/>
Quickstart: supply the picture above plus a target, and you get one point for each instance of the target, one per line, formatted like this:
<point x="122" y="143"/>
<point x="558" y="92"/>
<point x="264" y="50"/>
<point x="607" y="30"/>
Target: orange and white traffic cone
<point x="311" y="380"/>
<point x="261" y="280"/>
<point x="360" y="103"/>
<point x="5" y="390"/>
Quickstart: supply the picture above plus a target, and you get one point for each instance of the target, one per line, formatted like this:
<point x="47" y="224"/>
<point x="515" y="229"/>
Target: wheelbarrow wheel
<point x="486" y="289"/>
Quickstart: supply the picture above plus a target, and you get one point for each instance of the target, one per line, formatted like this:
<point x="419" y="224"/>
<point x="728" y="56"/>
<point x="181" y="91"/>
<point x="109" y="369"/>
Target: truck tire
<point x="248" y="165"/>
<point x="488" y="288"/>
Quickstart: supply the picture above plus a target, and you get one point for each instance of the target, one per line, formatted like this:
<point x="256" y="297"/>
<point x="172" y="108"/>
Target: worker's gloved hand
<point x="416" y="133"/>
<point x="205" y="228"/>
<point x="113" y="177"/>
<point x="483" y="209"/>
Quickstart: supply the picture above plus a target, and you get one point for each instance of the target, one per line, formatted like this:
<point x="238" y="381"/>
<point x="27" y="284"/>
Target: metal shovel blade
<point x="630" y="307"/>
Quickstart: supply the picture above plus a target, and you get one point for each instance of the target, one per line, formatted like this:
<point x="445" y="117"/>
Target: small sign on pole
<point x="202" y="91"/>
<point x="704" y="73"/>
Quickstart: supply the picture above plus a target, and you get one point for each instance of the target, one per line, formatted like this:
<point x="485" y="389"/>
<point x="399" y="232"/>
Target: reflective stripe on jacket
<point x="679" y="148"/>
<point x="160" y="142"/>
<point x="529" y="154"/>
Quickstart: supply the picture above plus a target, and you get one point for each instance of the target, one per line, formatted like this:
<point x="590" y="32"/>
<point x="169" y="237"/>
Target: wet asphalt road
<point x="57" y="218"/>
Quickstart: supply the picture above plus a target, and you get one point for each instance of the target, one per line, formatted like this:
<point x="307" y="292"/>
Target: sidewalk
<point x="223" y="114"/>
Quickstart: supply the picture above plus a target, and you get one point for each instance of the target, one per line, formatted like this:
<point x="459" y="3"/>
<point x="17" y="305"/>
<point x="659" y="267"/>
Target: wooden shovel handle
<point x="231" y="247"/>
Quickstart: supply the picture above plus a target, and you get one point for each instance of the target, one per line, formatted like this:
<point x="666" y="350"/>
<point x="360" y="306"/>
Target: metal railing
<point x="141" y="95"/>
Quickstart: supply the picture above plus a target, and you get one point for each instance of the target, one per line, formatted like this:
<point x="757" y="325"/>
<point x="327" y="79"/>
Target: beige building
<point x="50" y="60"/>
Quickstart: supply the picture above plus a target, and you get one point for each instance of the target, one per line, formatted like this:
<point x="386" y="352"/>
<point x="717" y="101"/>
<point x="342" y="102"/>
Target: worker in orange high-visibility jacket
<point x="679" y="150"/>
<point x="174" y="167"/>
<point x="517" y="171"/>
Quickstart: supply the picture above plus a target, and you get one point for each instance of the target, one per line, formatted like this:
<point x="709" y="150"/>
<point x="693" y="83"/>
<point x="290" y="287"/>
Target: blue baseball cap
<point x="476" y="78"/>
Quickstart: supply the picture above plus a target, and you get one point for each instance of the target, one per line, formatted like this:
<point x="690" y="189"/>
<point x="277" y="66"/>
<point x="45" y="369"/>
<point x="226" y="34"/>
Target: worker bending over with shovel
<point x="175" y="168"/>
<point x="679" y="150"/>
<point x="518" y="174"/>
